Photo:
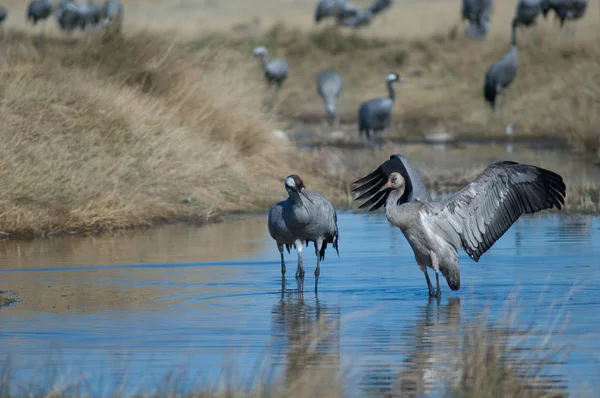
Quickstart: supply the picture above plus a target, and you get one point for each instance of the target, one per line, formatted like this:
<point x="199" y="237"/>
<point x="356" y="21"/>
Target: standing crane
<point x="39" y="10"/>
<point x="478" y="13"/>
<point x="68" y="15"/>
<point x="276" y="70"/>
<point x="310" y="217"/>
<point x="565" y="10"/>
<point x="501" y="73"/>
<point x="329" y="87"/>
<point x="472" y="219"/>
<point x="375" y="114"/>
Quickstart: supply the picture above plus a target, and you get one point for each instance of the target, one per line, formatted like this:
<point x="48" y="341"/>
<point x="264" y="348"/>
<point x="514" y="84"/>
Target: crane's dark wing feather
<point x="479" y="214"/>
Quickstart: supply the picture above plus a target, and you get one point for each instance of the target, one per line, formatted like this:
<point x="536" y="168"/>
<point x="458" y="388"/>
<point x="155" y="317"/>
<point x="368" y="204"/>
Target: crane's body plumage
<point x="276" y="71"/>
<point x="356" y="18"/>
<point x="375" y="115"/>
<point x="359" y="19"/>
<point x="466" y="10"/>
<point x="338" y="9"/>
<point x="68" y="15"/>
<point x="472" y="219"/>
<point x="527" y="12"/>
<point x="501" y="73"/>
<point x="308" y="217"/>
<point x="478" y="13"/>
<point x="565" y="9"/>
<point x="312" y="221"/>
<point x="279" y="231"/>
<point x="39" y="10"/>
<point x="329" y="87"/>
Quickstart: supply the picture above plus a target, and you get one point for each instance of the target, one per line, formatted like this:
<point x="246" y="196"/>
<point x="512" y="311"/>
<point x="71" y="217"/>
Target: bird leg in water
<point x="318" y="247"/>
<point x="438" y="292"/>
<point x="300" y="270"/>
<point x="436" y="266"/>
<point x="429" y="286"/>
<point x="282" y="286"/>
<point x="280" y="247"/>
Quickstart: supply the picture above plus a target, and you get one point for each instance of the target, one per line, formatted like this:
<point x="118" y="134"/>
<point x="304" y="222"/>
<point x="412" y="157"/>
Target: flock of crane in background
<point x="375" y="115"/>
<point x="71" y="15"/>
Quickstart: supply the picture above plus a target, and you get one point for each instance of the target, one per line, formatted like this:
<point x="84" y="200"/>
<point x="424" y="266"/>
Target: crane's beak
<point x="303" y="192"/>
<point x="387" y="185"/>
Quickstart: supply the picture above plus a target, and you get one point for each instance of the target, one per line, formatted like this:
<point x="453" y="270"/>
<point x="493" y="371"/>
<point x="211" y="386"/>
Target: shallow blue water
<point x="128" y="309"/>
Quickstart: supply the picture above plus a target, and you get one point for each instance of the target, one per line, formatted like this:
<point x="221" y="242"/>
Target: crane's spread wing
<point x="372" y="183"/>
<point x="480" y="213"/>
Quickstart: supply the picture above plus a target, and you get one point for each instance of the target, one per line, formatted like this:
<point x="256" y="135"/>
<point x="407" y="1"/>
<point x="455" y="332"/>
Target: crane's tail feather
<point x="334" y="241"/>
<point x="288" y="247"/>
<point x="489" y="92"/>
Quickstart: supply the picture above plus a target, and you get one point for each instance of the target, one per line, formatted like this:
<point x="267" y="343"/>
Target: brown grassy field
<point x="116" y="133"/>
<point x="167" y="123"/>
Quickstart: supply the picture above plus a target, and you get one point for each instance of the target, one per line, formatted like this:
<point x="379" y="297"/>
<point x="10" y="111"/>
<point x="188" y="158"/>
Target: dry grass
<point x="118" y="132"/>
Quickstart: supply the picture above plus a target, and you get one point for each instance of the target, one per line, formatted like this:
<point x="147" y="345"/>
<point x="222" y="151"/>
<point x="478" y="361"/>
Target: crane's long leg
<point x="318" y="247"/>
<point x="435" y="264"/>
<point x="280" y="247"/>
<point x="501" y="100"/>
<point x="43" y="33"/>
<point x="300" y="270"/>
<point x="370" y="134"/>
<point x="274" y="95"/>
<point x="429" y="286"/>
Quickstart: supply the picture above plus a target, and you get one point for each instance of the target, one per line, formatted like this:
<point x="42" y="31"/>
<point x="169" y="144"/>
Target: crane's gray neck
<point x="297" y="199"/>
<point x="331" y="108"/>
<point x="513" y="39"/>
<point x="391" y="91"/>
<point x="393" y="211"/>
<point x="263" y="58"/>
